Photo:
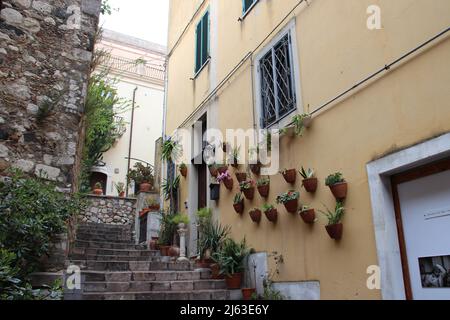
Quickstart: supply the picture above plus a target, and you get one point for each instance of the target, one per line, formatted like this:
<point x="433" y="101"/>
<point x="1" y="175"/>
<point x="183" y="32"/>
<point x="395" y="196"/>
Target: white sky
<point x="145" y="19"/>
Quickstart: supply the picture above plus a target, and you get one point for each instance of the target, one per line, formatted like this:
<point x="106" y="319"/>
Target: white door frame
<point x="383" y="213"/>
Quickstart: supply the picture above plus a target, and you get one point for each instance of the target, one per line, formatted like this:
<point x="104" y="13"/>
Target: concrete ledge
<point x="305" y="290"/>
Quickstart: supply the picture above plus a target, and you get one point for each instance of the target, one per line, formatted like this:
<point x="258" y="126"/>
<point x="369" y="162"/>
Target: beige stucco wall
<point x="335" y="50"/>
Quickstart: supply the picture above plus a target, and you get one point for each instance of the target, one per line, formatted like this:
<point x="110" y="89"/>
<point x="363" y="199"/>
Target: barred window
<point x="277" y="82"/>
<point x="247" y="5"/>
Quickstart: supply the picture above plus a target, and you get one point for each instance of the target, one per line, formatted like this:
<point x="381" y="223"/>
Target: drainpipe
<point x="131" y="135"/>
<point x="164" y="124"/>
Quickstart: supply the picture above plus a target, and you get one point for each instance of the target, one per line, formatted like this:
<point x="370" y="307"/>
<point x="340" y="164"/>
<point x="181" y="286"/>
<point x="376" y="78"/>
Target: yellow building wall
<point x="335" y="51"/>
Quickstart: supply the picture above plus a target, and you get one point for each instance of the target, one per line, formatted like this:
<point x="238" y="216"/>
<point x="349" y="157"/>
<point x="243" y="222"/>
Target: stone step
<point x="130" y="265"/>
<point x="146" y="276"/>
<point x="98" y="257"/>
<point x="148" y="286"/>
<point x="104" y="231"/>
<point x="154" y="295"/>
<point x="115" y="252"/>
<point x="91" y="225"/>
<point x="108" y="245"/>
<point x="112" y="238"/>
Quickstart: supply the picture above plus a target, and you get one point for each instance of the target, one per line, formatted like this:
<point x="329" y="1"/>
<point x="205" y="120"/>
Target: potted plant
<point x="152" y="204"/>
<point x="180" y="220"/>
<point x="222" y="168"/>
<point x="309" y="180"/>
<point x="248" y="188"/>
<point x="238" y="203"/>
<point x="226" y="179"/>
<point x="271" y="212"/>
<point x="213" y="170"/>
<point x="183" y="170"/>
<point x="255" y="164"/>
<point x="263" y="185"/>
<point x="170" y="150"/>
<point x="298" y="125"/>
<point x="308" y="214"/>
<point x="142" y="176"/>
<point x="214" y="193"/>
<point x="335" y="227"/>
<point x="98" y="189"/>
<point x="289" y="175"/>
<point x="120" y="188"/>
<point x="231" y="258"/>
<point x="166" y="234"/>
<point x="249" y="293"/>
<point x="235" y="157"/>
<point x="256" y="214"/>
<point x="241" y="176"/>
<point x="210" y="241"/>
<point x="337" y="185"/>
<point x="290" y="200"/>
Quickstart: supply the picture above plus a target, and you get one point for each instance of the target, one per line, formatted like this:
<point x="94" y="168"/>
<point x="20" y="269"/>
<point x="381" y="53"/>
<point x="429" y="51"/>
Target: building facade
<point x="254" y="64"/>
<point x="137" y="67"/>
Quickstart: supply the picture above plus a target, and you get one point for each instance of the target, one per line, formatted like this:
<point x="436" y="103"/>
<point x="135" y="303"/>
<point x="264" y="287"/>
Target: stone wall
<point x="45" y="56"/>
<point x="109" y="210"/>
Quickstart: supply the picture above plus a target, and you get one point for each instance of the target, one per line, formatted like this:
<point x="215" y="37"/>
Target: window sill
<point x="201" y="68"/>
<point x="241" y="19"/>
<point x="283" y="121"/>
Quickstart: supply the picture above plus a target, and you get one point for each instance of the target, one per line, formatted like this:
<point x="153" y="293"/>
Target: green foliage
<point x="204" y="216"/>
<point x="238" y="198"/>
<point x="170" y="188"/>
<point x="263" y="182"/>
<point x="183" y="166"/>
<point x="307" y="173"/>
<point x="268" y="207"/>
<point x="48" y="105"/>
<point x="231" y="256"/>
<point x="212" y="236"/>
<point x="180" y="218"/>
<point x="247" y="185"/>
<point x="120" y="187"/>
<point x="288" y="196"/>
<point x="141" y="174"/>
<point x="334" y="178"/>
<point x="170" y="150"/>
<point x="334" y="217"/>
<point x="168" y="229"/>
<point x="98" y="185"/>
<point x="106" y="8"/>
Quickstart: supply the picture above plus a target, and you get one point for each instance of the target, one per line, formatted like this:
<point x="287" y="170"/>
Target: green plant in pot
<point x="290" y="175"/>
<point x="248" y="188"/>
<point x="120" y="188"/>
<point x="235" y="157"/>
<point x="212" y="236"/>
<point x="263" y="185"/>
<point x="337" y="185"/>
<point x="213" y="170"/>
<point x="183" y="170"/>
<point x="170" y="150"/>
<point x="290" y="200"/>
<point x="230" y="258"/>
<point x="98" y="189"/>
<point x="142" y="175"/>
<point x="238" y="203"/>
<point x="298" y="124"/>
<point x="180" y="220"/>
<point x="335" y="227"/>
<point x="308" y="214"/>
<point x="255" y="164"/>
<point x="309" y="180"/>
<point x="271" y="212"/>
<point x="166" y="233"/>
<point x="226" y="179"/>
<point x="255" y="214"/>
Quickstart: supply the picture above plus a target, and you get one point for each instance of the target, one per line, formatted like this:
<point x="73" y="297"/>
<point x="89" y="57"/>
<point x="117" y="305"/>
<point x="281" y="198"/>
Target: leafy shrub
<point x="231" y="257"/>
<point x="335" y="178"/>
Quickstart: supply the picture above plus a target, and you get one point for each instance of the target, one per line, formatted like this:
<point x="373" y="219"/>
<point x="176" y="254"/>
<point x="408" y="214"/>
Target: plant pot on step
<point x="308" y="216"/>
<point x="264" y="190"/>
<point x="255" y="214"/>
<point x="205" y="263"/>
<point x="234" y="281"/>
<point x="228" y="183"/>
<point x="153" y="243"/>
<point x="290" y="176"/>
<point x="339" y="190"/>
<point x="310" y="185"/>
<point x="145" y="187"/>
<point x="215" y="272"/>
<point x="247" y="293"/>
<point x="164" y="250"/>
<point x="239" y="207"/>
<point x="241" y="176"/>
<point x="291" y="206"/>
<point x="272" y="215"/>
<point x="174" y="251"/>
<point x="249" y="193"/>
<point x="122" y="194"/>
<point x="98" y="192"/>
<point x="335" y="231"/>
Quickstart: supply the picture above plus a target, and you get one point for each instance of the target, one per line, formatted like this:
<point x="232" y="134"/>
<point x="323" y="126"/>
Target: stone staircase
<point x="114" y="268"/>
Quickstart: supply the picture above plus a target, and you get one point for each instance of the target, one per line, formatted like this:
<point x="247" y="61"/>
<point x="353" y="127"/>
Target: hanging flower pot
<point x="241" y="176"/>
<point x="335" y="231"/>
<point x="263" y="187"/>
<point x="226" y="179"/>
<point x="290" y="200"/>
<point x="183" y="170"/>
<point x="234" y="281"/>
<point x="291" y="206"/>
<point x="289" y="175"/>
<point x="310" y="185"/>
<point x="256" y="214"/>
<point x="222" y="169"/>
<point x="256" y="168"/>
<point x="228" y="183"/>
<point x="308" y="215"/>
<point x="213" y="170"/>
<point x="337" y="185"/>
<point x="238" y="204"/>
<point x="248" y="188"/>
<point x="271" y="213"/>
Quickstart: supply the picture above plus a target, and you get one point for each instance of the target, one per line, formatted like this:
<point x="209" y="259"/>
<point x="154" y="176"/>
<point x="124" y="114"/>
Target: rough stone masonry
<point x="45" y="56"/>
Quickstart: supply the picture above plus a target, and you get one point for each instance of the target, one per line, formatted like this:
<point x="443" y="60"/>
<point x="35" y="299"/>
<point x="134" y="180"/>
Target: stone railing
<point x="109" y="210"/>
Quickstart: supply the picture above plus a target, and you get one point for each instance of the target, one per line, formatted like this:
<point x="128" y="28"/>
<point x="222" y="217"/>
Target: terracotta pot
<point x="339" y="190"/>
<point x="264" y="190"/>
<point x="290" y="176"/>
<point x="272" y="215"/>
<point x="308" y="216"/>
<point x="144" y="212"/>
<point x="222" y="169"/>
<point x="235" y="163"/>
<point x="154" y="208"/>
<point x="98" y="192"/>
<point x="122" y="194"/>
<point x="249" y="193"/>
<point x="256" y="215"/>
<point x="241" y="176"/>
<point x="228" y="184"/>
<point x="205" y="263"/>
<point x="310" y="185"/>
<point x="256" y="168"/>
<point x="215" y="272"/>
<point x="291" y="206"/>
<point x="239" y="207"/>
<point x="213" y="171"/>
<point x="164" y="250"/>
<point x="335" y="231"/>
<point x="145" y="187"/>
<point x="234" y="281"/>
<point x="183" y="172"/>
<point x="247" y="293"/>
<point x="153" y="243"/>
<point x="174" y="251"/>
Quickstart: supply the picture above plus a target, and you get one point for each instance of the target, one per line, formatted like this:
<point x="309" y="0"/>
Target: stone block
<point x="11" y="16"/>
<point x="47" y="172"/>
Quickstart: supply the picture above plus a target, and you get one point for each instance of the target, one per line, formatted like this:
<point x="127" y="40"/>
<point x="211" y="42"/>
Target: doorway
<point x="422" y="211"/>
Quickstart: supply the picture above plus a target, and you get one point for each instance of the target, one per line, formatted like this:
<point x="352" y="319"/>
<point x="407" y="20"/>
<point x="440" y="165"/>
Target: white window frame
<point x="287" y="119"/>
